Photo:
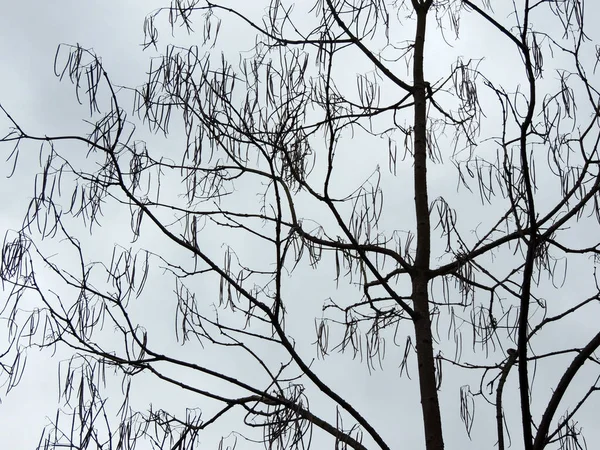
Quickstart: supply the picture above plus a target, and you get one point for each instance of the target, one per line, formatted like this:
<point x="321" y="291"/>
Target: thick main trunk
<point x="424" y="342"/>
<point x="432" y="421"/>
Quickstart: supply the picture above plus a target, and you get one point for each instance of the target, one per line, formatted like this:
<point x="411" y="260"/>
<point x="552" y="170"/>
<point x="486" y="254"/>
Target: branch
<point x="387" y="72"/>
<point x="542" y="433"/>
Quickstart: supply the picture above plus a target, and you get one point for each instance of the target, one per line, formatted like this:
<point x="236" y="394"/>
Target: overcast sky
<point x="29" y="35"/>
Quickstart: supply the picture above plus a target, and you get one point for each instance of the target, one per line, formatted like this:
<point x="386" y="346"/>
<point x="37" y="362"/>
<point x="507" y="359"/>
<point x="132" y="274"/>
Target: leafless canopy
<point x="265" y="208"/>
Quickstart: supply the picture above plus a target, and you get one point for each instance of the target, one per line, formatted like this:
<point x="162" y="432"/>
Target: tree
<point x="277" y="134"/>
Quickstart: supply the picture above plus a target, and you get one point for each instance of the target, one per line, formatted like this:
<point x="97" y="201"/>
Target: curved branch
<point x="542" y="433"/>
<point x="387" y="72"/>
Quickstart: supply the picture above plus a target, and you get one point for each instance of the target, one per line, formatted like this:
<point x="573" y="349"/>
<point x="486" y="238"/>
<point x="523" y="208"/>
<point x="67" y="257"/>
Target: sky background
<point x="29" y="35"/>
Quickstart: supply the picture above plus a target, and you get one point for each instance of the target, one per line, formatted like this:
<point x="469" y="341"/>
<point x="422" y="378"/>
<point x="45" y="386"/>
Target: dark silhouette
<point x="275" y="142"/>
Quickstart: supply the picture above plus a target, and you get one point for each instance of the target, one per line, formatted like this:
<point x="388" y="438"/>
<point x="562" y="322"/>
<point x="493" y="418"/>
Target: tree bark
<point x="420" y="278"/>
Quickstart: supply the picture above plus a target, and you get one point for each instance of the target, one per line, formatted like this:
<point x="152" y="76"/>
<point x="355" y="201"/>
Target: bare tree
<point x="275" y="136"/>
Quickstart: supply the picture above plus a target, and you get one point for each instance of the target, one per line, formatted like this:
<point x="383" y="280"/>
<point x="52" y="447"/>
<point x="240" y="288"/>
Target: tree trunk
<point x="424" y="343"/>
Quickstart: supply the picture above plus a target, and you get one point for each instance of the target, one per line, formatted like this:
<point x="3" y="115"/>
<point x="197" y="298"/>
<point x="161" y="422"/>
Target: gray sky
<point x="29" y="35"/>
